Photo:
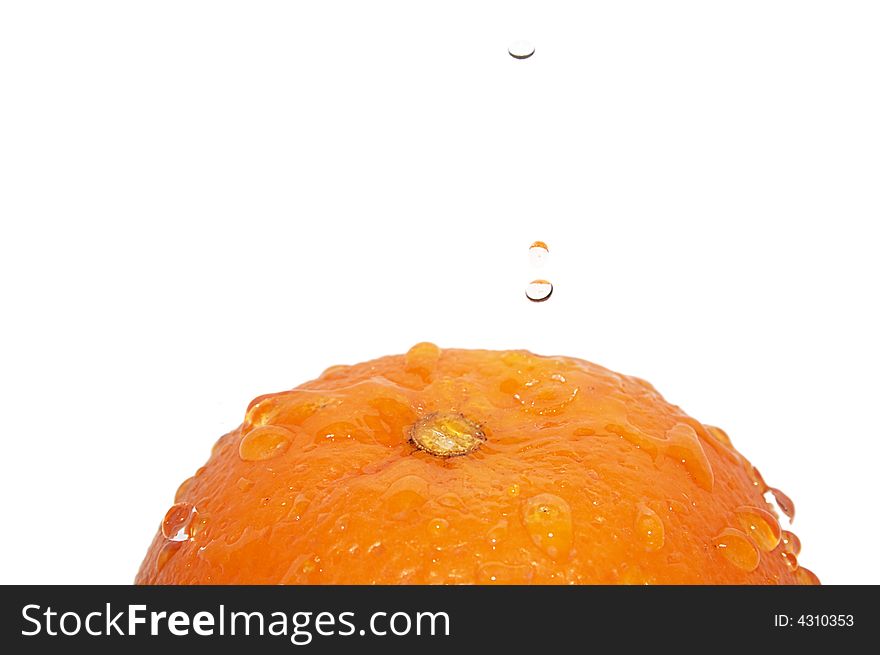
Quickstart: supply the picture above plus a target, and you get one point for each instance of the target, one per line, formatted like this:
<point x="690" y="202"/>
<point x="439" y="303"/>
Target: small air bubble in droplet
<point x="521" y="49"/>
<point x="538" y="290"/>
<point x="538" y="253"/>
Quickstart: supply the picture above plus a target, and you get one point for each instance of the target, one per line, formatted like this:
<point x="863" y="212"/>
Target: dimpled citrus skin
<point x="580" y="476"/>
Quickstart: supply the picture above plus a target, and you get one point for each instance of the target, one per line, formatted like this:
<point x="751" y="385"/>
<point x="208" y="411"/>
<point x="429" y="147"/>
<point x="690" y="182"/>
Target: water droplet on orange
<point x="791" y="543"/>
<point x="265" y="442"/>
<point x="341" y="524"/>
<point x="244" y="484"/>
<point x="198" y="525"/>
<point x="784" y="502"/>
<point x="450" y="500"/>
<point x="756" y="477"/>
<point x="183" y="488"/>
<point x="677" y="507"/>
<point x="736" y="548"/>
<point x="337" y="370"/>
<point x="175" y="525"/>
<point x="547" y="519"/>
<point x="539" y="290"/>
<point x="422" y="359"/>
<point x="405" y="494"/>
<point x="649" y="529"/>
<point x="393" y="420"/>
<point x="298" y="507"/>
<point x="437" y="527"/>
<point x="310" y="565"/>
<point x="634" y="575"/>
<point x="519" y="359"/>
<point x="286" y="408"/>
<point x="340" y="431"/>
<point x="166" y="553"/>
<point x="510" y="387"/>
<point x="502" y="573"/>
<point x="675" y="558"/>
<point x="549" y="394"/>
<point x="807" y="577"/>
<point x="497" y="532"/>
<point x="760" y="525"/>
<point x="260" y="411"/>
<point x="719" y="434"/>
<point x="220" y="444"/>
<point x="790" y="560"/>
<point x="683" y="443"/>
<point x="232" y="536"/>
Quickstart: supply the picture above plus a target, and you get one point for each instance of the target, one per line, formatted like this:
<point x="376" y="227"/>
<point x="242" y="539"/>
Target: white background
<point x="205" y="201"/>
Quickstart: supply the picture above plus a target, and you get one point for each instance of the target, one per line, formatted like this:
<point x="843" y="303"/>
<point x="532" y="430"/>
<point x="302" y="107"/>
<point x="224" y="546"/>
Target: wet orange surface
<point x="473" y="466"/>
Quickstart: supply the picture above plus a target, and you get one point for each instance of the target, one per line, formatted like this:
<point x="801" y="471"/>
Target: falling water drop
<point x="521" y="49"/>
<point x="538" y="290"/>
<point x="538" y="253"/>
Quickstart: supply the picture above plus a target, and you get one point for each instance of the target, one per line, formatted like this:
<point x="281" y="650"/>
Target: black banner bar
<point x="434" y="619"/>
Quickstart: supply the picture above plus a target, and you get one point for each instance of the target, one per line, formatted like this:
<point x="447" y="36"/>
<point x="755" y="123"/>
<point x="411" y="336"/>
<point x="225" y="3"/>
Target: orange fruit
<point x="473" y="466"/>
